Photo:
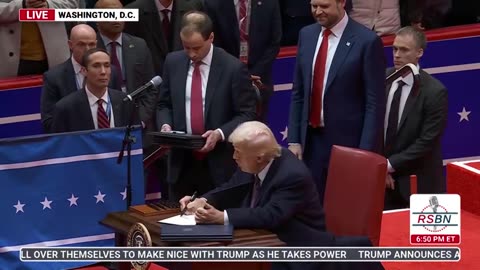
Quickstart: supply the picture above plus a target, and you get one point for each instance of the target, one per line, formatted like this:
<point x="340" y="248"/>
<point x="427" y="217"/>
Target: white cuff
<point x="225" y="218"/>
<point x="390" y="168"/>
<point x="221" y="133"/>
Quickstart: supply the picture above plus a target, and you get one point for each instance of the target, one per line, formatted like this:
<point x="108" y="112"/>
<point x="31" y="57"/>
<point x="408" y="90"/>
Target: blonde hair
<point x="256" y="138"/>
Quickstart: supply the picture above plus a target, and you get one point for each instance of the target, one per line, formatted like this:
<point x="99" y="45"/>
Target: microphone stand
<point x="128" y="139"/>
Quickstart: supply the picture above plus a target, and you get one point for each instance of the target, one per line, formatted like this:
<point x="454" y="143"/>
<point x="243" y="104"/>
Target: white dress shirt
<point x="333" y="40"/>
<point x="406" y="89"/>
<point x="107" y="106"/>
<point x="78" y="75"/>
<point x="261" y="175"/>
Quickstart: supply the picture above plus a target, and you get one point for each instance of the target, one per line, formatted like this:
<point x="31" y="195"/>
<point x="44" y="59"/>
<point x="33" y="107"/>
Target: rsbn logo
<point x="435" y="219"/>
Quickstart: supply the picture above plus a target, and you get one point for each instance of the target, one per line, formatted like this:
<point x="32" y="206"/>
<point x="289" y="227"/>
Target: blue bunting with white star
<point x="56" y="188"/>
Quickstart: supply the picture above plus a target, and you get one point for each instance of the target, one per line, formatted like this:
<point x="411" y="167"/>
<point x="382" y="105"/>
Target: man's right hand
<point x="192" y="206"/>
<point x="296" y="149"/>
<point x="166" y="128"/>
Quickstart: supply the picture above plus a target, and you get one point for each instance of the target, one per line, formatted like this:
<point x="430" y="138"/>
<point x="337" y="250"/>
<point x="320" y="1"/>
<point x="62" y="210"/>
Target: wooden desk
<point x="121" y="222"/>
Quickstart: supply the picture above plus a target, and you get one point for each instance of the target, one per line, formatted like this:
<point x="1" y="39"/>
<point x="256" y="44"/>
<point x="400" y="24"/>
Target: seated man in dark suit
<point x="66" y="78"/>
<point x="95" y="106"/>
<point x="272" y="190"/>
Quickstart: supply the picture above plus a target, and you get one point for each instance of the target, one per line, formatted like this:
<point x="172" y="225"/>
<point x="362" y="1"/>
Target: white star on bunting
<point x="464" y="115"/>
<point x="73" y="200"/>
<point x="284" y="133"/>
<point x="100" y="197"/>
<point x="124" y="194"/>
<point x="19" y="206"/>
<point x="46" y="204"/>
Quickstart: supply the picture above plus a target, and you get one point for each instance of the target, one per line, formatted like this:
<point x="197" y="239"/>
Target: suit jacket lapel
<point x="267" y="182"/>
<point x="344" y="45"/>
<point x="118" y="114"/>
<point x="412" y="98"/>
<point x="85" y="114"/>
<point x="216" y="69"/>
<point x="178" y="92"/>
<point x="231" y="13"/>
<point x="155" y="24"/>
<point x="309" y="54"/>
<point x="128" y="55"/>
<point x="70" y="78"/>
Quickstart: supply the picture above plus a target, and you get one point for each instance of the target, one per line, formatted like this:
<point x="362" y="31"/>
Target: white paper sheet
<point x="180" y="220"/>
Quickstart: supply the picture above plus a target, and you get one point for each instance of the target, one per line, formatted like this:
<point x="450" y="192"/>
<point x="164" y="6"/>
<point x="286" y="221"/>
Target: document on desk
<point x="180" y="220"/>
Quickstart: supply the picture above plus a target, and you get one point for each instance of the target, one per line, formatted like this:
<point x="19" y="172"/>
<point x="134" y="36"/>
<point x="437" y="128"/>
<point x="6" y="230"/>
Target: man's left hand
<point x="213" y="136"/>
<point x="209" y="215"/>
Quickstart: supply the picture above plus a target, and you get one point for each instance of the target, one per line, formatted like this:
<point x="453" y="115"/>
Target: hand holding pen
<point x="185" y="201"/>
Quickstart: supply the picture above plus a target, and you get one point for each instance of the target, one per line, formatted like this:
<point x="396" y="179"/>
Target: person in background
<point x="252" y="31"/>
<point x="131" y="57"/>
<point x="159" y="25"/>
<point x="29" y="48"/>
<point x="415" y="120"/>
<point x="382" y="16"/>
<point x="67" y="77"/>
<point x="95" y="106"/>
<point x="338" y="89"/>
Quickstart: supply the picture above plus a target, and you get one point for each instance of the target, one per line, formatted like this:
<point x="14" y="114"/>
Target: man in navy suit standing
<point x="338" y="91"/>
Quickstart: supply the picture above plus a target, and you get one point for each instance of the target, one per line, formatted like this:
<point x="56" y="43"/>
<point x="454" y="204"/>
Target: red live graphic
<point x="36" y="14"/>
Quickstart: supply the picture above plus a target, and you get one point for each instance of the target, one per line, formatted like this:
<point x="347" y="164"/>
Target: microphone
<point x="434" y="205"/>
<point x="156" y="81"/>
<point x="402" y="72"/>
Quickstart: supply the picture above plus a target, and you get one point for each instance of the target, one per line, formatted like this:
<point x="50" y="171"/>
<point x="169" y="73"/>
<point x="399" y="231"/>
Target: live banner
<point x="56" y="188"/>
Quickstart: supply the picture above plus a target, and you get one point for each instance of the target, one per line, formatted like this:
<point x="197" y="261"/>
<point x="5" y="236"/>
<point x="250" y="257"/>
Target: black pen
<point x="191" y="200"/>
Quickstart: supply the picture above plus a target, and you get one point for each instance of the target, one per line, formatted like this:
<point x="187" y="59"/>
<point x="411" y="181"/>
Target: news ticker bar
<point x="75" y="15"/>
<point x="247" y="254"/>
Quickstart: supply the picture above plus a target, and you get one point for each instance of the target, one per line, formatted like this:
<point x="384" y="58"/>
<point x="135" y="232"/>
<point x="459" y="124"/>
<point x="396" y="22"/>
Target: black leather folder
<point x="221" y="233"/>
<point x="178" y="140"/>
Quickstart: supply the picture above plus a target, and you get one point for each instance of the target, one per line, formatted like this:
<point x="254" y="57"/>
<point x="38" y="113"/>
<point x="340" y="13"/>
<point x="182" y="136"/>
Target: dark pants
<point x="317" y="156"/>
<point x="195" y="176"/>
<point x="29" y="67"/>
<point x="394" y="199"/>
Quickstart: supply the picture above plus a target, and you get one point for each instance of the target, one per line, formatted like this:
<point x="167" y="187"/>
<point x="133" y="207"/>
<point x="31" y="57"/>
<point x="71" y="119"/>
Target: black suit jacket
<point x="149" y="27"/>
<point x="417" y="149"/>
<point x="137" y="60"/>
<point x="73" y="113"/>
<point x="229" y="101"/>
<point x="58" y="82"/>
<point x="288" y="203"/>
<point x="265" y="33"/>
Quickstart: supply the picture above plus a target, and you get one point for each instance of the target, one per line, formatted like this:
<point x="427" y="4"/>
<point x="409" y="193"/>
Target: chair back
<point x="354" y="194"/>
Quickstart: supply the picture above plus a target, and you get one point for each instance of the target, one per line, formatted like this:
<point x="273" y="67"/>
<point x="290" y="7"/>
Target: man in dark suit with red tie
<point x="338" y="93"/>
<point x="208" y="92"/>
<point x="415" y="120"/>
<point x="95" y="106"/>
<point x="252" y="31"/>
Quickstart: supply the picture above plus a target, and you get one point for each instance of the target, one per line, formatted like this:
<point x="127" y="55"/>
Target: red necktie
<point x="316" y="100"/>
<point x="102" y="118"/>
<point x="166" y="24"/>
<point x="116" y="62"/>
<point x="196" y="102"/>
<point x="242" y="18"/>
